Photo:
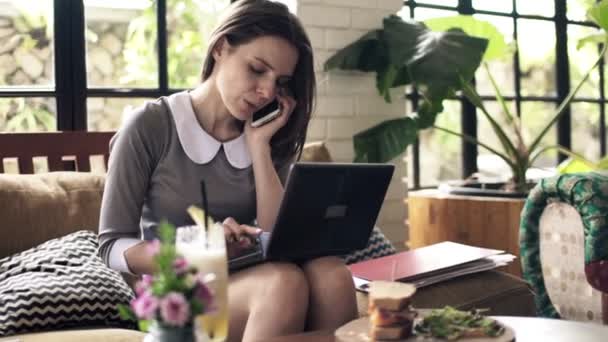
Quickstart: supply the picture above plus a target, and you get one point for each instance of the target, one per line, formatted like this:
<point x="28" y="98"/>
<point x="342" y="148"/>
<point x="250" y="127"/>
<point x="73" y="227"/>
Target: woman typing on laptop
<point x="258" y="53"/>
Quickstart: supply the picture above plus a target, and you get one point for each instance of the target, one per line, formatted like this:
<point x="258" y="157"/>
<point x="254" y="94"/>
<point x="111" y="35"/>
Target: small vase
<point x="163" y="333"/>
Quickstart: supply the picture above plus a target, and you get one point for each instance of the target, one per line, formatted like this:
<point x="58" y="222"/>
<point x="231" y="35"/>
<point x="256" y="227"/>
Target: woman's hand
<point x="259" y="137"/>
<point x="239" y="237"/>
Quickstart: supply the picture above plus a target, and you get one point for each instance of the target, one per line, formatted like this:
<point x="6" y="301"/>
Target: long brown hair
<point x="246" y="20"/>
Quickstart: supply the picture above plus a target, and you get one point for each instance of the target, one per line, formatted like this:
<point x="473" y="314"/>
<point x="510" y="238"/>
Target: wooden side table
<point x="491" y="222"/>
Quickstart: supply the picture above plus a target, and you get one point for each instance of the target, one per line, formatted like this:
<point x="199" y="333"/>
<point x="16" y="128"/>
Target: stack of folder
<point x="429" y="265"/>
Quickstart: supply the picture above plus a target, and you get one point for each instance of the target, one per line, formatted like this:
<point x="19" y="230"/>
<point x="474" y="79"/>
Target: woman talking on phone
<point x="258" y="53"/>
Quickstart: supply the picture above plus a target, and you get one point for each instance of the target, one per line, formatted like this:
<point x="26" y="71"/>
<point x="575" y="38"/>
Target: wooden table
<point x="527" y="329"/>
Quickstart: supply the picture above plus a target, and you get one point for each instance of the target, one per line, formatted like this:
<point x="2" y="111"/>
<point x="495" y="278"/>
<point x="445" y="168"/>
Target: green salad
<point x="451" y="324"/>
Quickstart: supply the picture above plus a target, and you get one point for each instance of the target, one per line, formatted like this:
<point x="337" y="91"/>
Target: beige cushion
<point x="315" y="152"/>
<point x="562" y="256"/>
<point x="92" y="335"/>
<point x="36" y="208"/>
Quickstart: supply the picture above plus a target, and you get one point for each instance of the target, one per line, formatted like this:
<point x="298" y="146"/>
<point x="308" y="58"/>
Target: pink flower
<point x="174" y="309"/>
<point x="180" y="265"/>
<point x="144" y="284"/>
<point x="203" y="293"/>
<point x="145" y="305"/>
<point x="153" y="247"/>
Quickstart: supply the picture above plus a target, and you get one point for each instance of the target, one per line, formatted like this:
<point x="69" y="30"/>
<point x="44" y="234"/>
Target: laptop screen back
<point x="328" y="209"/>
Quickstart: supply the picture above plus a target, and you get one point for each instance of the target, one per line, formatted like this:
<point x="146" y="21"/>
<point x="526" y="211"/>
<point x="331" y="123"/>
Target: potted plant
<point x="167" y="302"/>
<point x="440" y="57"/>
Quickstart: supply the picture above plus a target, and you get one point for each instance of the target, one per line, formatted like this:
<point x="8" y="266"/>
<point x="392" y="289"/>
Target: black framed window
<point x="533" y="80"/>
<point x="98" y="59"/>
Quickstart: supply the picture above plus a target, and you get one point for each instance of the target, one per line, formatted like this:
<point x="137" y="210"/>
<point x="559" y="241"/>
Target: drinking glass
<point x="206" y="250"/>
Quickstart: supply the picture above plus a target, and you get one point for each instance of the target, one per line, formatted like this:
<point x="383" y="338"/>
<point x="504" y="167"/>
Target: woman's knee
<point x="330" y="271"/>
<point x="285" y="280"/>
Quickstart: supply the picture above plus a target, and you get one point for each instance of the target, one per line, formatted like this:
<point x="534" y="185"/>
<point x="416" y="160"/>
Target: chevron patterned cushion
<point x="59" y="284"/>
<point x="377" y="246"/>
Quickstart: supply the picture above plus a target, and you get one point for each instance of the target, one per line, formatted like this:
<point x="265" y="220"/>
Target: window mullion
<point x="468" y="117"/>
<point x="163" y="74"/>
<point x="562" y="71"/>
<point x="70" y="65"/>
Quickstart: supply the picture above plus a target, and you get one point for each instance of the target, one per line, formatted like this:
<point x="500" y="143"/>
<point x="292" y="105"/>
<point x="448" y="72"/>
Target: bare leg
<point x="332" y="293"/>
<point x="267" y="300"/>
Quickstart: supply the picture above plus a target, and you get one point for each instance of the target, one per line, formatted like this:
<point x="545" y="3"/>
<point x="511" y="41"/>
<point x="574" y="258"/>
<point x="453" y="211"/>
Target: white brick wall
<point x="348" y="102"/>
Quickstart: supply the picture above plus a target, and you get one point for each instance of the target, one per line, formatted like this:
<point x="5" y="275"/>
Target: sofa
<point x="40" y="207"/>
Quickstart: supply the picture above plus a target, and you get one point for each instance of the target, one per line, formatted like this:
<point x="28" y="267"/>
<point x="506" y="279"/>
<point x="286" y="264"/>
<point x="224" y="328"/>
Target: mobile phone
<point x="266" y="114"/>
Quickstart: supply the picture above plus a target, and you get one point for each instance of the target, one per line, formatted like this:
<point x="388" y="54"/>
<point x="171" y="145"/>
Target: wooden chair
<point x="64" y="151"/>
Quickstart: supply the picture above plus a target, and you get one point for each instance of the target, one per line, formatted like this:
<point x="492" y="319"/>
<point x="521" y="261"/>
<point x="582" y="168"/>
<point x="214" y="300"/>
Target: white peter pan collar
<point x="199" y="145"/>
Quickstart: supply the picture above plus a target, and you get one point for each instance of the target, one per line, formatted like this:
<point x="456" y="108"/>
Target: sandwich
<point x="391" y="315"/>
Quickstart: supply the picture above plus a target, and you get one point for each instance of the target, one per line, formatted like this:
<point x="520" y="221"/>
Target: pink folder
<point x="420" y="262"/>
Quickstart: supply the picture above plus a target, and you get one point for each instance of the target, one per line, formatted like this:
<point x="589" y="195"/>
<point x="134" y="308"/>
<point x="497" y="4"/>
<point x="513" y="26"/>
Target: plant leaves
<point x="599" y="14"/>
<point x="443" y="59"/>
<point x="603" y="164"/>
<point x="385" y="141"/>
<point x="595" y="38"/>
<point x="497" y="47"/>
<point x="385" y="81"/>
<point x="402" y="53"/>
<point x="573" y="165"/>
<point x="368" y="53"/>
<point x="401" y="37"/>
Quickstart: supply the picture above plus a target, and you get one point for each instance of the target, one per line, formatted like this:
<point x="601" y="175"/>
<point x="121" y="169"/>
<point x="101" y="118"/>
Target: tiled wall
<point x="348" y="102"/>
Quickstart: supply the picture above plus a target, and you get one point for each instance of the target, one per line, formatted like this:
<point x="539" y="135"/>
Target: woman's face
<point x="248" y="76"/>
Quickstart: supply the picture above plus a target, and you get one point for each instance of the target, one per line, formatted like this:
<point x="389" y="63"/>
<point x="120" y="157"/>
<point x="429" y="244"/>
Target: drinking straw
<point x="205" y="204"/>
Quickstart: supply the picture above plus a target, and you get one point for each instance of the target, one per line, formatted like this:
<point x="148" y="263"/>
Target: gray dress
<point x="152" y="175"/>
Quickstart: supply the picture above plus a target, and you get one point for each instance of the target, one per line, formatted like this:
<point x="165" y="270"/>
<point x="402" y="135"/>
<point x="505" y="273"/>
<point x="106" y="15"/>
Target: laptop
<point x="327" y="209"/>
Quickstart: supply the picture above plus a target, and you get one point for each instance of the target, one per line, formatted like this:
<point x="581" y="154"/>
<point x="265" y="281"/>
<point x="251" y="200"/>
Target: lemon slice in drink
<point x="198" y="215"/>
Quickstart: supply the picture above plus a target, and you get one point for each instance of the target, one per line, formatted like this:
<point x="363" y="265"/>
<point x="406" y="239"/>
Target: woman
<point x="259" y="52"/>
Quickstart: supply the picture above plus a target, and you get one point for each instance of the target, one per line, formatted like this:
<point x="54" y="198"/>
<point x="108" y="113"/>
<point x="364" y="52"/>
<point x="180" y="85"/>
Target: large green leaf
<point x="385" y="141"/>
<point x="368" y="53"/>
<point x="599" y="14"/>
<point x="401" y="38"/>
<point x="446" y="59"/>
<point x="603" y="164"/>
<point x="574" y="165"/>
<point x="497" y="47"/>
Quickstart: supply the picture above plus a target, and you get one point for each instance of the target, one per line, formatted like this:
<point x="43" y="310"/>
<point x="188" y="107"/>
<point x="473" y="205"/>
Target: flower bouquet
<point x="167" y="302"/>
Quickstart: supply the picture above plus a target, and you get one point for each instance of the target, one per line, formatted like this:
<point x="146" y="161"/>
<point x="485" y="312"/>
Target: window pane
<point x="546" y="8"/>
<point x="535" y="116"/>
<point x="585" y="129"/>
<point x="452" y="3"/>
<point x="26" y="43"/>
<point x="106" y="114"/>
<point x="32" y="114"/>
<point x="495" y="6"/>
<point x="537" y="57"/>
<point x="489" y="164"/>
<point x="577" y="9"/>
<point x="581" y="60"/>
<point x="121" y="43"/>
<point x="440" y="152"/>
<point x="502" y="70"/>
<point x="189" y="25"/>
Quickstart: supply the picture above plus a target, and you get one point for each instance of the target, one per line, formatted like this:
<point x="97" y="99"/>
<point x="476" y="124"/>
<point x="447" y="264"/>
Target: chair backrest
<point x="64" y="151"/>
<point x="563" y="249"/>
